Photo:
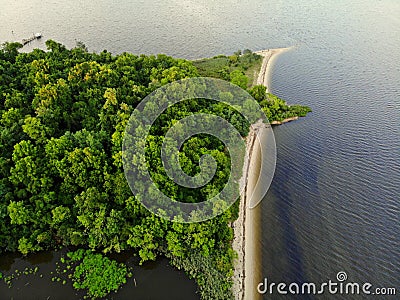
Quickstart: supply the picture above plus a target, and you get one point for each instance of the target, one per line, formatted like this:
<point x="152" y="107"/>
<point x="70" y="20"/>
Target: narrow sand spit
<point x="267" y="64"/>
<point x="247" y="234"/>
<point x="247" y="273"/>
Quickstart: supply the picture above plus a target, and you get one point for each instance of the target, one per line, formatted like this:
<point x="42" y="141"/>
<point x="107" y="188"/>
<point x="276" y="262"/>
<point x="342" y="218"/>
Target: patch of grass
<point x="222" y="66"/>
<point x="211" y="67"/>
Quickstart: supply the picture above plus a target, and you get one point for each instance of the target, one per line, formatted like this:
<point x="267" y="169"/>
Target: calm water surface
<point x="334" y="204"/>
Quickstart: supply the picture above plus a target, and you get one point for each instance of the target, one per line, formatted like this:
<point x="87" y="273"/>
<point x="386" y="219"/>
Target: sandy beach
<point x="247" y="273"/>
<point x="247" y="233"/>
<point x="269" y="57"/>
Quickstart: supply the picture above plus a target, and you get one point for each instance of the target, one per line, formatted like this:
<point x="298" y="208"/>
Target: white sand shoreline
<point x="246" y="226"/>
<point x="270" y="56"/>
<point x="247" y="267"/>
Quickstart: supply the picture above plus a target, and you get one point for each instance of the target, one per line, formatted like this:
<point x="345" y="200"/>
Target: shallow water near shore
<point x="334" y="202"/>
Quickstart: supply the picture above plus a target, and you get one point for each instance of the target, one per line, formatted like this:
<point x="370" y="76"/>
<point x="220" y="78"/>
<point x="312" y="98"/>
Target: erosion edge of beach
<point x="247" y="233"/>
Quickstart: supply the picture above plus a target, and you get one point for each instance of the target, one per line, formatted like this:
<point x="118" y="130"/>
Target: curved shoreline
<point x="284" y="121"/>
<point x="246" y="227"/>
<point x="270" y="56"/>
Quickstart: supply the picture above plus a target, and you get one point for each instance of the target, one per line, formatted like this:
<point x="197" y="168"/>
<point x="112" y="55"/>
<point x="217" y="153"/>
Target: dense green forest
<point x="63" y="115"/>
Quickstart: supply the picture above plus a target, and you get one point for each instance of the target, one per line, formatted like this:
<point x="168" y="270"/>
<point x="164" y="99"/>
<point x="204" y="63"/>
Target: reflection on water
<point x="7" y="260"/>
<point x="42" y="258"/>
